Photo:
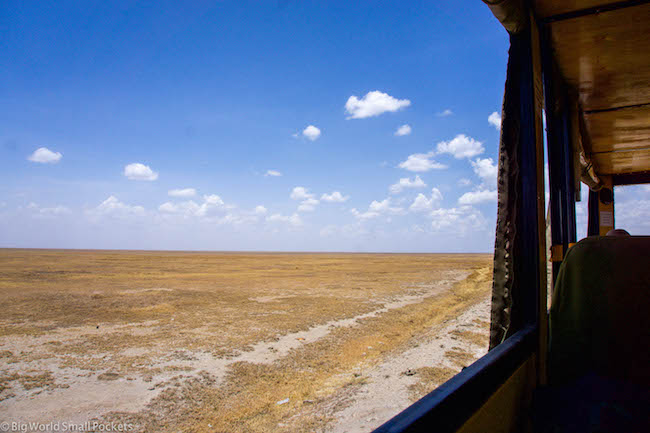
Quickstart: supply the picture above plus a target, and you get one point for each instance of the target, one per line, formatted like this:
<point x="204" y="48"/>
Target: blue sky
<point x="133" y="101"/>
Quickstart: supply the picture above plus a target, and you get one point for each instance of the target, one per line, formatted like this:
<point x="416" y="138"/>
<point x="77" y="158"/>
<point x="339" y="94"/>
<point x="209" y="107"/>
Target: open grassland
<point x="233" y="342"/>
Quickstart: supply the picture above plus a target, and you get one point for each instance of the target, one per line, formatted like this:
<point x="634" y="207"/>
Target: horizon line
<point x="233" y="251"/>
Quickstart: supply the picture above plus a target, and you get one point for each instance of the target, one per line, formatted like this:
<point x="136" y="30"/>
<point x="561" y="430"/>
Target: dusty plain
<point x="233" y="342"/>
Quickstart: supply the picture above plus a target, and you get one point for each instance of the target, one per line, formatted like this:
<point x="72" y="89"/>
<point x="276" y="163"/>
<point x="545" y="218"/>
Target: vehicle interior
<point x="577" y="89"/>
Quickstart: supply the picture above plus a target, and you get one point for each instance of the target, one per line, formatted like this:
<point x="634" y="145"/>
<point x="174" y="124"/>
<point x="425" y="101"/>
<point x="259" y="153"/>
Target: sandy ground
<point x="357" y="362"/>
<point x="390" y="385"/>
<point x="79" y="396"/>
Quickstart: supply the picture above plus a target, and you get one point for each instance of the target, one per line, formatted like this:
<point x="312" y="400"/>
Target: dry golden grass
<point x="459" y="357"/>
<point x="429" y="378"/>
<point x="224" y="303"/>
<point x="247" y="401"/>
<point x="471" y="336"/>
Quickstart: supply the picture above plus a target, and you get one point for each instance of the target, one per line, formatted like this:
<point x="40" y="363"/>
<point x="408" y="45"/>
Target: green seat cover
<point x="600" y="314"/>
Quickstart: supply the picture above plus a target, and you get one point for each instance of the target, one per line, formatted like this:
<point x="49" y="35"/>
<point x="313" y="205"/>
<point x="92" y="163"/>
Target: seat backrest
<point x="600" y="314"/>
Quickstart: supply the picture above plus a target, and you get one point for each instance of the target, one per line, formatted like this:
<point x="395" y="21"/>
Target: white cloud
<point x="311" y="132"/>
<point x="464" y="182"/>
<point x="193" y="209"/>
<point x="462" y="220"/>
<point x="422" y="203"/>
<point x="405" y="182"/>
<point x="234" y="219"/>
<point x="445" y="113"/>
<point x="112" y="206"/>
<point x="168" y="207"/>
<point x="213" y="200"/>
<point x="45" y="212"/>
<point x="486" y="169"/>
<point x="419" y="162"/>
<point x="475" y="197"/>
<point x="260" y="210"/>
<point x="138" y="171"/>
<point x="308" y="202"/>
<point x="494" y="119"/>
<point x="379" y="206"/>
<point x="293" y="220"/>
<point x="301" y="193"/>
<point x="373" y="104"/>
<point x="45" y="156"/>
<point x="364" y="215"/>
<point x="273" y="173"/>
<point x="308" y="205"/>
<point x="403" y="130"/>
<point x="461" y="146"/>
<point x="376" y="209"/>
<point x="334" y="197"/>
<point x="185" y="192"/>
<point x="54" y="211"/>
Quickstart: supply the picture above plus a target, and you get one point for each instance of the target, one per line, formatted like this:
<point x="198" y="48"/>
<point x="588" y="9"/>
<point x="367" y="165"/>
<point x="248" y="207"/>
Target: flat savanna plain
<point x="233" y="342"/>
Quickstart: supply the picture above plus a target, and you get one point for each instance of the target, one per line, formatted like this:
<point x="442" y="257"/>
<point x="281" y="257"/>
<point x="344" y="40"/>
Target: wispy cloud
<point x="445" y="113"/>
<point x="273" y="173"/>
<point x="211" y="203"/>
<point x="308" y="205"/>
<point x="293" y="220"/>
<point x="48" y="212"/>
<point x="184" y="192"/>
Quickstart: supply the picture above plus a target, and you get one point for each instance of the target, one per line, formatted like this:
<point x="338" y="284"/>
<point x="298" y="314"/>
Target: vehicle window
<point x="243" y="216"/>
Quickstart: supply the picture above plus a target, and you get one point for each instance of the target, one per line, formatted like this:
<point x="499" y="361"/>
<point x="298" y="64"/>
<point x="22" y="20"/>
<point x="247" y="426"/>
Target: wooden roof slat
<point x="546" y="8"/>
<point x="619" y="130"/>
<point x="558" y="10"/>
<point x="621" y="162"/>
<point x="605" y="56"/>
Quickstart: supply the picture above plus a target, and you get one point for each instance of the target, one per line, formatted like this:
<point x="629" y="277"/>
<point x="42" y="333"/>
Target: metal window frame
<point x="449" y="406"/>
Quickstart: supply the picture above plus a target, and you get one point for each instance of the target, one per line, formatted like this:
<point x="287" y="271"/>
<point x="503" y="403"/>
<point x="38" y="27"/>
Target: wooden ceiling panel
<point x="619" y="129"/>
<point x="622" y="161"/>
<point x="546" y="8"/>
<point x="605" y="56"/>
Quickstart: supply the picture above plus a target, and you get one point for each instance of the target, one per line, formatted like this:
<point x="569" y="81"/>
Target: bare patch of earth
<point x="393" y="385"/>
